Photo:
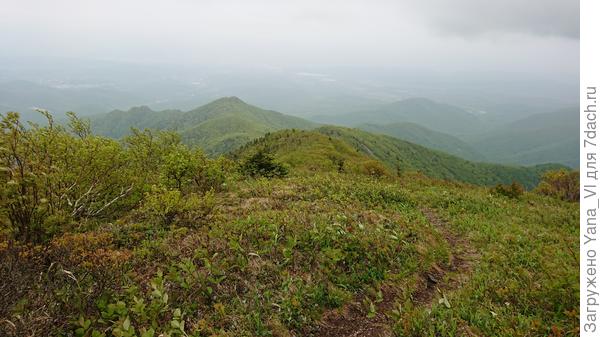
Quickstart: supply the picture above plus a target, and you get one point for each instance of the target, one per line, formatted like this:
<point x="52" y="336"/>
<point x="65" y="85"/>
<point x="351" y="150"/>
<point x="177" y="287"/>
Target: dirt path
<point x="458" y="268"/>
<point x="352" y="320"/>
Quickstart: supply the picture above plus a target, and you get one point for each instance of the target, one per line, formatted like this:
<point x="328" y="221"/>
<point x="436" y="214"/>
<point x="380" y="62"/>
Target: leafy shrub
<point x="513" y="191"/>
<point x="161" y="159"/>
<point x="170" y="206"/>
<point x="146" y="151"/>
<point x="51" y="175"/>
<point x="213" y="175"/>
<point x="263" y="164"/>
<point x="375" y="169"/>
<point x="145" y="314"/>
<point x="180" y="166"/>
<point x="561" y="184"/>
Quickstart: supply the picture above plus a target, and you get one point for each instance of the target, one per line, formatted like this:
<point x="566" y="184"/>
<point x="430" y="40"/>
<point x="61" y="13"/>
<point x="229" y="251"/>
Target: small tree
<point x="263" y="164"/>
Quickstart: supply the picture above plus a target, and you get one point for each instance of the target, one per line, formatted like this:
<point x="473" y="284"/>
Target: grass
<point x="525" y="282"/>
<point x="279" y="253"/>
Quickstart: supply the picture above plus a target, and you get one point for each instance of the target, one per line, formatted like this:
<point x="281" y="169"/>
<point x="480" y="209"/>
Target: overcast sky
<point x="535" y="36"/>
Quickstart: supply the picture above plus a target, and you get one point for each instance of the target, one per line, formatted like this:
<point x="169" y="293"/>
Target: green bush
<point x="375" y="169"/>
<point x="262" y="164"/>
<point x="56" y="173"/>
<point x="513" y="191"/>
<point x="170" y="206"/>
<point x="181" y="166"/>
<point x="213" y="175"/>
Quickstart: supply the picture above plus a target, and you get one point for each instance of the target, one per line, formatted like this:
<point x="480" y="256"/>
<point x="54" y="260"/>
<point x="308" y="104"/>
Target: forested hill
<point x="218" y="127"/>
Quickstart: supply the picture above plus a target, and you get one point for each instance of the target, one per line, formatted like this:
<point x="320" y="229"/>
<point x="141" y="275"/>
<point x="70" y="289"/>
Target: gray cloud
<point x="535" y="36"/>
<point x="476" y="17"/>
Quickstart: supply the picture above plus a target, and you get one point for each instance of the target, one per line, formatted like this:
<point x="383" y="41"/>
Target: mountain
<point x="323" y="148"/>
<point x="218" y="127"/>
<point x="540" y="138"/>
<point x="425" y="112"/>
<point x="417" y="134"/>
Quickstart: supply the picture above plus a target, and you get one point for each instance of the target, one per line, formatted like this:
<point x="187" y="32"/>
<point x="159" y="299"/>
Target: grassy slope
<point x="524" y="281"/>
<point x="218" y="127"/>
<point x="307" y="151"/>
<point x="417" y="134"/>
<point x="279" y="253"/>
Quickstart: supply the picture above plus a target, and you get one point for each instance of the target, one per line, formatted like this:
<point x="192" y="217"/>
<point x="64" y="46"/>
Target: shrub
<point x="180" y="166"/>
<point x="561" y="184"/>
<point x="213" y="175"/>
<point x="263" y="164"/>
<point x="374" y="168"/>
<point x="170" y="206"/>
<point x="513" y="191"/>
<point x="159" y="158"/>
<point x="51" y="173"/>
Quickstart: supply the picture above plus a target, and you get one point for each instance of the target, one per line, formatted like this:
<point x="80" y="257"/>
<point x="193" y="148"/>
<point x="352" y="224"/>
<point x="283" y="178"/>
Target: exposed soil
<point x="352" y="320"/>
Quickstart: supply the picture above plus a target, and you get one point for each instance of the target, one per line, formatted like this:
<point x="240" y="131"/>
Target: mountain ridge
<point x="218" y="126"/>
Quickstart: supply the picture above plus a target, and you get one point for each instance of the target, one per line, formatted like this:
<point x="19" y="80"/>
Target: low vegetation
<point x="148" y="237"/>
<point x="514" y="190"/>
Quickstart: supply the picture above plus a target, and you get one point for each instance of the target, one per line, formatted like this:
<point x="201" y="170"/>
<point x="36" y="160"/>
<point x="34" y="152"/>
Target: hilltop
<point x="218" y="127"/>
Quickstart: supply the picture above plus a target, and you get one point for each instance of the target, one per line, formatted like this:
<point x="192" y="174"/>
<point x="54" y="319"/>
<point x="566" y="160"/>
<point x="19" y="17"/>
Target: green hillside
<point x="417" y="134"/>
<point x="541" y="138"/>
<point x="323" y="148"/>
<point x="217" y="127"/>
<point x="310" y="151"/>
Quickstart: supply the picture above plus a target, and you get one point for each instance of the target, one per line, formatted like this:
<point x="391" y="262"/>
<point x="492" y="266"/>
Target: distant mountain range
<point x="218" y="127"/>
<point x="228" y="123"/>
<point x="540" y="138"/>
<point x="422" y="111"/>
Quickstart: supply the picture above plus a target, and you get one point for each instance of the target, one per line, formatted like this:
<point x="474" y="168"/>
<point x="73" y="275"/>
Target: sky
<point x="498" y="36"/>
